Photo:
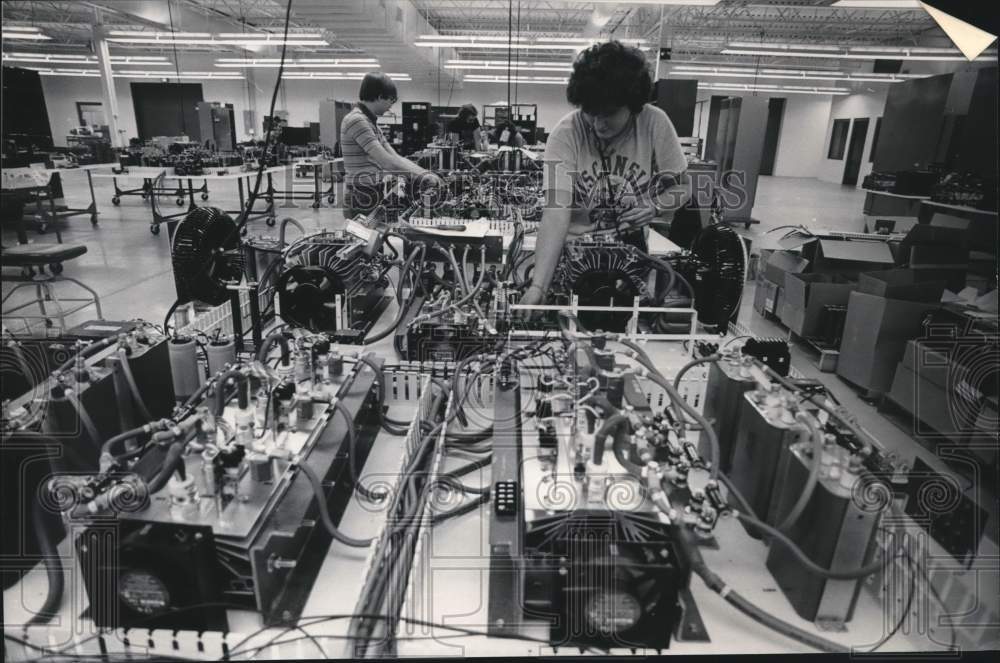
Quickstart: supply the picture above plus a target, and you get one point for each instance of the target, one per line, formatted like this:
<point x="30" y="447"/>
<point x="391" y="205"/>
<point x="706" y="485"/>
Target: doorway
<point x="775" y="112"/>
<point x="855" y="150"/>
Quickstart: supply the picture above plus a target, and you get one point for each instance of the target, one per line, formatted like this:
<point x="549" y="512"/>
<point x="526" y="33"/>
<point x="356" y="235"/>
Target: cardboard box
<point x="780" y="263"/>
<point x="875" y="335"/>
<point x="905" y="284"/>
<point x="804" y="299"/>
<point x="847" y="257"/>
<point x="765" y="297"/>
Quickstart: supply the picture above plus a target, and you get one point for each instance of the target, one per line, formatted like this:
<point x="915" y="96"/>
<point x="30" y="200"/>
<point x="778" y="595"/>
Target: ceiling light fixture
<point x="300" y="63"/>
<point x="537" y="80"/>
<point x="93" y="73"/>
<point x="902" y="5"/>
<point x="23" y="32"/>
<point x="489" y="42"/>
<point x="208" y="39"/>
<point x="851" y="52"/>
<point x="782" y="89"/>
<point x="70" y="58"/>
<point x="800" y="74"/>
<point x="337" y="76"/>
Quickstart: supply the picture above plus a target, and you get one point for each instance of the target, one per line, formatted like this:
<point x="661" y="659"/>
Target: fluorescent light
<point x="503" y="67"/>
<point x="850" y="52"/>
<point x="734" y="72"/>
<point x="208" y="39"/>
<point x="27" y="33"/>
<point x="499" y="43"/>
<point x="781" y="89"/>
<point x="878" y="4"/>
<point x="301" y="63"/>
<point x="537" y="80"/>
<point x="502" y="38"/>
<point x="63" y="58"/>
<point x="93" y="73"/>
<point x="336" y="76"/>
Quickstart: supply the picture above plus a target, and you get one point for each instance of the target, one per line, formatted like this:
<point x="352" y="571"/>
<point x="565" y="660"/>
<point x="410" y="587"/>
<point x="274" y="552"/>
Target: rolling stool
<point x="33" y="259"/>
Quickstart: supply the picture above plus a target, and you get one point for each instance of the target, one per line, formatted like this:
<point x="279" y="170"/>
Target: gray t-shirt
<point x="644" y="159"/>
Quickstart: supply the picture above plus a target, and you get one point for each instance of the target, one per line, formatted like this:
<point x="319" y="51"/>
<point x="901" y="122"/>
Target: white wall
<point x="853" y="106"/>
<point x="800" y="141"/>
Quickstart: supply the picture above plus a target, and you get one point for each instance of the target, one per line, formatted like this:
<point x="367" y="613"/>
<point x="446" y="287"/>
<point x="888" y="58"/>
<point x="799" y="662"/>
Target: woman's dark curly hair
<point x="607" y="76"/>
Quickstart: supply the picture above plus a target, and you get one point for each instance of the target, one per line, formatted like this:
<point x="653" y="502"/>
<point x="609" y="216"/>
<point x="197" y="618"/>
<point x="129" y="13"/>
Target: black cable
<point x="53" y="568"/>
<point x="170" y="313"/>
<point x="468" y="507"/>
<point x="911" y="593"/>
<point x="324" y="512"/>
<point x="352" y="455"/>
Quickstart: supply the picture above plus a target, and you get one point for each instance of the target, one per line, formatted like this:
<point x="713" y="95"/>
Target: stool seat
<point x="42" y="254"/>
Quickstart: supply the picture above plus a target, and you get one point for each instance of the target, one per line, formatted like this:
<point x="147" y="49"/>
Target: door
<point x="855" y="150"/>
<point x="775" y="112"/>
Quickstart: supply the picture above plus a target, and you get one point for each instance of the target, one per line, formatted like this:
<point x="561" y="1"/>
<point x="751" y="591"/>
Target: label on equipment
<point x="359" y="230"/>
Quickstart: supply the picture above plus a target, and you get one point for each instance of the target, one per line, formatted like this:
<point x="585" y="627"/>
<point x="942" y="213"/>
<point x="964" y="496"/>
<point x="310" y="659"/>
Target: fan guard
<point x="205" y="254"/>
<point x="306" y="297"/>
<point x="721" y="262"/>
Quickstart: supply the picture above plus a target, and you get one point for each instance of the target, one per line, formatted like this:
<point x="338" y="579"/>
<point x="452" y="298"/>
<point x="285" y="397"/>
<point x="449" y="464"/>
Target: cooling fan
<point x="603" y="275"/>
<point x="605" y="579"/>
<point x="307" y="296"/>
<point x="716" y="269"/>
<point x="205" y="254"/>
<point x="318" y="268"/>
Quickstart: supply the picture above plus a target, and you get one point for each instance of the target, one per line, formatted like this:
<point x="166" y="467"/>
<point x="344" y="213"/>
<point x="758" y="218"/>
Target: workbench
<point x="448" y="585"/>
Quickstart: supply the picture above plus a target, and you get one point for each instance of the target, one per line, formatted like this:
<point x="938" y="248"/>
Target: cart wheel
<point x="48" y="323"/>
<point x="42" y="228"/>
<point x="118" y="201"/>
<point x="746" y="226"/>
<point x="271" y="221"/>
<point x="331" y="200"/>
<point x="269" y="200"/>
<point x="180" y="202"/>
<point x="204" y="196"/>
<point x="56" y="267"/>
<point x="155" y="229"/>
<point x="315" y="204"/>
<point x="144" y="197"/>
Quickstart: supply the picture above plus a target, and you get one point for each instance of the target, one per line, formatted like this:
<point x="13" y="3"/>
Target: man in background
<point x="368" y="156"/>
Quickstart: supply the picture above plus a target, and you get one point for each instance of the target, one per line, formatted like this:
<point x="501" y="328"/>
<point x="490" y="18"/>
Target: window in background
<point x="871" y="152"/>
<point x="90" y="113"/>
<point x="838" y="140"/>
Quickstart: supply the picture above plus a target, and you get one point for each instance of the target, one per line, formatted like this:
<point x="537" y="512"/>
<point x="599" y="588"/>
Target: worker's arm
<point x="479" y="139"/>
<point x="557" y="216"/>
<point x="669" y="187"/>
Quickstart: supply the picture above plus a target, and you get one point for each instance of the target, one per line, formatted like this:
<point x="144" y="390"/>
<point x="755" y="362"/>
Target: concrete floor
<point x="130" y="268"/>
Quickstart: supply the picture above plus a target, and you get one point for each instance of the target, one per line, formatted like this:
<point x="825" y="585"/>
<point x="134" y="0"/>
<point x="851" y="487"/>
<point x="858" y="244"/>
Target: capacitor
<point x="282" y="397"/>
<point x="303" y="407"/>
<point x="183" y="496"/>
<point x="244" y="427"/>
<point x="321" y="357"/>
<point x="220" y="353"/>
<point x="208" y="478"/>
<point x="598" y="340"/>
<point x="184" y="366"/>
<point x="616" y="390"/>
<point x="260" y="467"/>
<point x="336" y="364"/>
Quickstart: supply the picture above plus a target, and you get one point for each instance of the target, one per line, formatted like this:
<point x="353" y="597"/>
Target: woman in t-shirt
<point x="614" y="162"/>
<point x="465" y="129"/>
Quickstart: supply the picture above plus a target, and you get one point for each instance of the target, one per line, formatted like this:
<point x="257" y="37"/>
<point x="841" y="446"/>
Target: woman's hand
<point x="642" y="213"/>
<point x="533" y="296"/>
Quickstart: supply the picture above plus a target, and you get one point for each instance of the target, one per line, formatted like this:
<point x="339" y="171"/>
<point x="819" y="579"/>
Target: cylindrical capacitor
<point x="184" y="367"/>
<point x="208" y="479"/>
<point x="220" y="353"/>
